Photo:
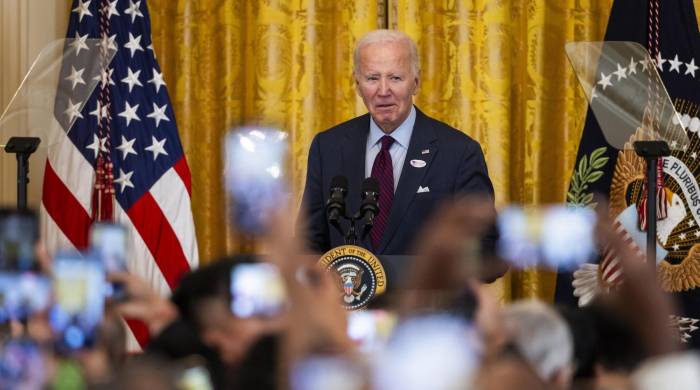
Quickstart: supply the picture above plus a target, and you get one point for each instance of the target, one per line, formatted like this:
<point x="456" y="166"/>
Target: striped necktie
<point x="383" y="171"/>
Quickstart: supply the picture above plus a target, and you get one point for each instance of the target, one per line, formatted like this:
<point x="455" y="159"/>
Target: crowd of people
<point x="444" y="330"/>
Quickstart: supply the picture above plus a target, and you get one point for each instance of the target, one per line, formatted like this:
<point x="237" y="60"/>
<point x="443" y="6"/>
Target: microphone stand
<point x="369" y="223"/>
<point x="22" y="147"/>
<point x="335" y="211"/>
<point x="651" y="151"/>
<point x="351" y="235"/>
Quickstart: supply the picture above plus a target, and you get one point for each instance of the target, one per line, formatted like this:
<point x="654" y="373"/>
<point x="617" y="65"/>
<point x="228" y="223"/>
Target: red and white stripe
<point x="162" y="243"/>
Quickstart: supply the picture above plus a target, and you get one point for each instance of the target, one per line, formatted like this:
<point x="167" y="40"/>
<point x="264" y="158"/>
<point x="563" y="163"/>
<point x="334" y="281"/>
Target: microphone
<point x="369" y="208"/>
<point x="335" y="206"/>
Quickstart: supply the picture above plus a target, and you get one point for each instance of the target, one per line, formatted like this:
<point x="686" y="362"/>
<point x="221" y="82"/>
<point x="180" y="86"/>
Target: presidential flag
<point x="669" y="31"/>
<point x="121" y="159"/>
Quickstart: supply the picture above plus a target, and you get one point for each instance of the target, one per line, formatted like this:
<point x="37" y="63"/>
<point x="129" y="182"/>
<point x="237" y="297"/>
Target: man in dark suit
<point x="418" y="161"/>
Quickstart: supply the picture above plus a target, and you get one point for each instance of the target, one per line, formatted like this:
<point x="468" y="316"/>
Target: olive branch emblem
<point x="588" y="172"/>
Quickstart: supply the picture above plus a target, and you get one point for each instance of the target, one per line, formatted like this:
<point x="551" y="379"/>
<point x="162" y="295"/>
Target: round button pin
<point x="418" y="163"/>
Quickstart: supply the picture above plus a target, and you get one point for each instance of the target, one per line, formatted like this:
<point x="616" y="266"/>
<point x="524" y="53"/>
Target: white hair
<point x="681" y="368"/>
<point x="541" y="336"/>
<point x="387" y="36"/>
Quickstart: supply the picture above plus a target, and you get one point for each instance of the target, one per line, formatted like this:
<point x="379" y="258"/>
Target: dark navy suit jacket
<point x="454" y="165"/>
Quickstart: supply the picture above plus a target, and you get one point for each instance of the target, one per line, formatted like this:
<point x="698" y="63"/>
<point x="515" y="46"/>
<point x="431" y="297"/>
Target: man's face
<point x="386" y="83"/>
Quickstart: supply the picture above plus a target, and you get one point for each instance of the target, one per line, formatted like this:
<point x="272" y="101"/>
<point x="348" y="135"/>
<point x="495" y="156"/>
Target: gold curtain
<point x="495" y="69"/>
<point x="273" y="62"/>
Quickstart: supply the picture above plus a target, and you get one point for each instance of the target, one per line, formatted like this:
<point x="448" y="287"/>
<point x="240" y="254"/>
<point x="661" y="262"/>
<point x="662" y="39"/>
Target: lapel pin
<point x="418" y="163"/>
<point x="425" y="151"/>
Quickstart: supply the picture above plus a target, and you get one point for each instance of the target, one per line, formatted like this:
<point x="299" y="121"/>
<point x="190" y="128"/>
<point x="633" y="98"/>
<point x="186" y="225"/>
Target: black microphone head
<point x="339" y="182"/>
<point x="370" y="184"/>
<point x="369" y="207"/>
<point x="335" y="206"/>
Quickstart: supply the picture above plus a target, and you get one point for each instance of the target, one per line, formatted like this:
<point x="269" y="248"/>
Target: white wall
<point x="26" y="26"/>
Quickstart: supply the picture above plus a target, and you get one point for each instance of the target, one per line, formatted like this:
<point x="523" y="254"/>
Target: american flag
<point x="121" y="159"/>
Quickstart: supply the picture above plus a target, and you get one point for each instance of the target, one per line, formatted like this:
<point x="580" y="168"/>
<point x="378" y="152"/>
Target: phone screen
<point x="556" y="236"/>
<point x="18" y="237"/>
<point x="255" y="175"/>
<point x="429" y="352"/>
<point x="22" y="365"/>
<point x="108" y="242"/>
<point x="195" y="378"/>
<point x="326" y="372"/>
<point x="23" y="294"/>
<point x="257" y="289"/>
<point x="78" y="287"/>
<point x="370" y="329"/>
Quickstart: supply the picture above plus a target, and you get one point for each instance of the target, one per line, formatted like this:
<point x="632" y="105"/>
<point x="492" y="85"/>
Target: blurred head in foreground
<point x="542" y="338"/>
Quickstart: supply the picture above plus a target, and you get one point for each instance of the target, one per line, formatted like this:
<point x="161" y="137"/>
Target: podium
<point x="396" y="267"/>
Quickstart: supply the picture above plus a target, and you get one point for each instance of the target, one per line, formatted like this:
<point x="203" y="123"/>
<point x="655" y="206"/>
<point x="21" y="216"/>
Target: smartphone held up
<point x="79" y="296"/>
<point x="18" y="238"/>
<point x="255" y="175"/>
<point x="257" y="290"/>
<point x="108" y="241"/>
<point x="553" y="236"/>
<point x="23" y="289"/>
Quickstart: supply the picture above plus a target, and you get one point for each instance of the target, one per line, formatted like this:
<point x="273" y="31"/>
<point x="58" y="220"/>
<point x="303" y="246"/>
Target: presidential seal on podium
<point x="360" y="275"/>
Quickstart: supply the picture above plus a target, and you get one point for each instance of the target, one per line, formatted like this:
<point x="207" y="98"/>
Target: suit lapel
<point x="422" y="138"/>
<point x="353" y="155"/>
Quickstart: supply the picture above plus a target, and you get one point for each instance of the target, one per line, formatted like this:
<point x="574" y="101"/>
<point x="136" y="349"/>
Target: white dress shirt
<point x="398" y="150"/>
